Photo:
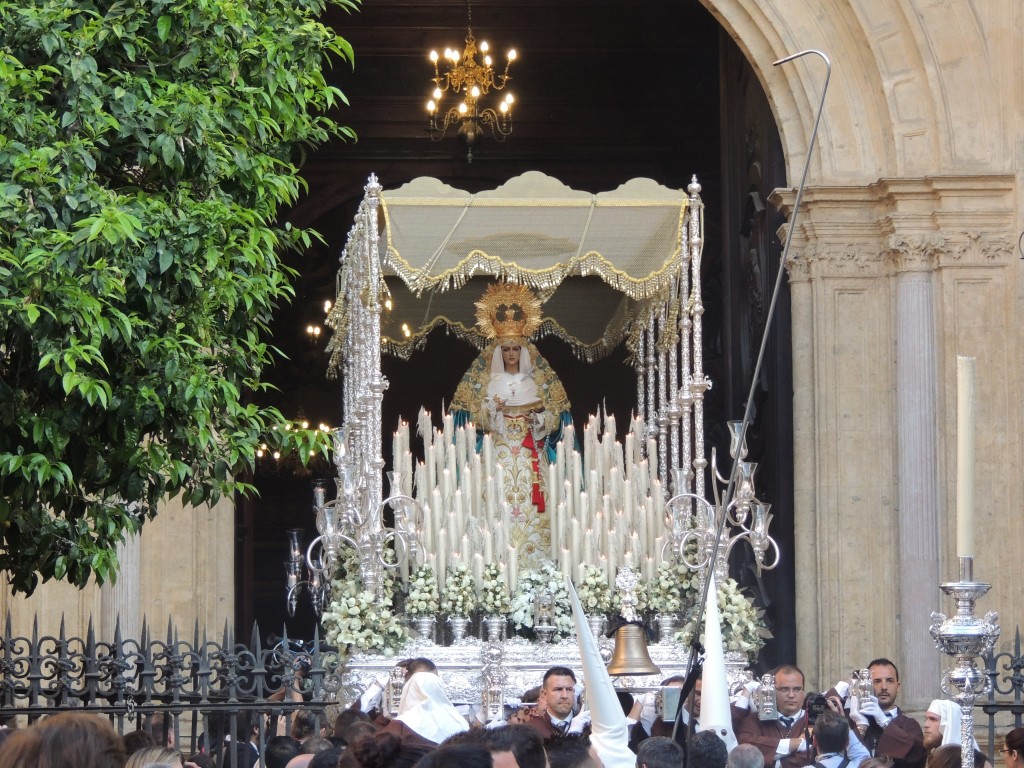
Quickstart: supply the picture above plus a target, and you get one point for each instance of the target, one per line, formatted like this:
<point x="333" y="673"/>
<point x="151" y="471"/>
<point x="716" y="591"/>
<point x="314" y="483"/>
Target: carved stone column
<point x="920" y="499"/>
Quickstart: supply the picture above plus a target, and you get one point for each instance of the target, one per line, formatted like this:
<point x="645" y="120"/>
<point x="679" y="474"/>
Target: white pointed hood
<point x="714" y="699"/>
<point x="609" y="733"/>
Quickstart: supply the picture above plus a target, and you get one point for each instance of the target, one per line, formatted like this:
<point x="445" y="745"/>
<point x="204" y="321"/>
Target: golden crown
<point x="507" y="310"/>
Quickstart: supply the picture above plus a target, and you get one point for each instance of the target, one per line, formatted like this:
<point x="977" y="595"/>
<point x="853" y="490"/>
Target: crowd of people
<point x="553" y="729"/>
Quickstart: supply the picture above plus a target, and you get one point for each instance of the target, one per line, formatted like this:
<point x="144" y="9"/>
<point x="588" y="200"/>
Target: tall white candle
<point x="965" y="456"/>
<point x="513" y="569"/>
<point x="575" y="542"/>
<point x="488" y="546"/>
<point x="442" y="557"/>
<point x="488" y="451"/>
<point x="427" y="537"/>
<point x="459" y="523"/>
<point x="478" y="570"/>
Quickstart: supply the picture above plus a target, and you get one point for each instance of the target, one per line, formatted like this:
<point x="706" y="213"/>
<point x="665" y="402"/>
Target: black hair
<point x="279" y="750"/>
<point x="831" y="731"/>
<point x="884" y="662"/>
<point x="660" y="752"/>
<point x="522" y="741"/>
<point x="707" y="750"/>
<point x="569" y="752"/>
<point x="559" y="672"/>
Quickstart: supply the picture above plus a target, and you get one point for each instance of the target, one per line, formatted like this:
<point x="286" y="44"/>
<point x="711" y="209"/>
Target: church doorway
<point x="676" y="98"/>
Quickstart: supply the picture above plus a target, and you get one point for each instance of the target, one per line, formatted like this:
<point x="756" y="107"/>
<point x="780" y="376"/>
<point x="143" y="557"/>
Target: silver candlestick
<point x="966" y="637"/>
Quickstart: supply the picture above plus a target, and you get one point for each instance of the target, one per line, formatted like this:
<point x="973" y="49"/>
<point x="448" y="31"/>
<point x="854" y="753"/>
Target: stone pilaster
<point x="919" y="499"/>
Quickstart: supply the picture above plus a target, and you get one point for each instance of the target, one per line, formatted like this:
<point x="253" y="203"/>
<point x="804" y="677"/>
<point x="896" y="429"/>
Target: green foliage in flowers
<point x="675" y="588"/>
<point x="593" y="591"/>
<point x="422" y="599"/>
<point x="355" y="620"/>
<point x="531" y="583"/>
<point x="743" y="627"/>
<point x="459" y="592"/>
<point x="495" y="599"/>
<point x="146" y="150"/>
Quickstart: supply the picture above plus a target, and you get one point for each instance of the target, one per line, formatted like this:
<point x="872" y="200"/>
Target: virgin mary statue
<point x="511" y="393"/>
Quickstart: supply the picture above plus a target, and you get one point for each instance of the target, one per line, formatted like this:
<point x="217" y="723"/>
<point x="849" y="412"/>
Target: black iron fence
<point x="1006" y="671"/>
<point x="210" y="692"/>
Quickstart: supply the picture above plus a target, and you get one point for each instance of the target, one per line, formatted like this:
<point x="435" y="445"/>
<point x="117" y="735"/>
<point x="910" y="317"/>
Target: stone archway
<point x="902" y="258"/>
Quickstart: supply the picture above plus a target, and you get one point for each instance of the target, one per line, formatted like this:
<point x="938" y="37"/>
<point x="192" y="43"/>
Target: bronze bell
<point x="630" y="656"/>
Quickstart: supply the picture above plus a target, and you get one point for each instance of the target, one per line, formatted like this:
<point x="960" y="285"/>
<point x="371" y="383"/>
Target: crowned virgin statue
<point x="511" y="393"/>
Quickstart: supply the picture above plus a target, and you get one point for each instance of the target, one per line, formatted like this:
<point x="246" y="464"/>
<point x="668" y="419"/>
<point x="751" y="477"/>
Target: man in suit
<point x="559" y="692"/>
<point x="883" y="728"/>
<point x="784" y="743"/>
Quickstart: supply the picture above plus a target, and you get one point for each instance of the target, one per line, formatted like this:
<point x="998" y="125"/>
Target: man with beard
<point x="883" y="728"/>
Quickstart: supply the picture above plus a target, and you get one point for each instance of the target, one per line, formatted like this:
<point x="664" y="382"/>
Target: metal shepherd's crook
<point x="727" y="499"/>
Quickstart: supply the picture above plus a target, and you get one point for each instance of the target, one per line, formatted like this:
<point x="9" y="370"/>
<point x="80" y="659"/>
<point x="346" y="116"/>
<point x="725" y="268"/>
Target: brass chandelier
<point x="471" y="79"/>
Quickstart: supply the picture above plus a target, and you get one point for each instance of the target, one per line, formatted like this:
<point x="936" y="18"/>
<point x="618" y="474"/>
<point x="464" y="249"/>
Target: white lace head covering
<point x="949" y="720"/>
<point x="525" y="363"/>
<point x="426" y="709"/>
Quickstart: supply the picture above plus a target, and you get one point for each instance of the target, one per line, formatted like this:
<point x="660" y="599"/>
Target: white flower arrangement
<point x="422" y="599"/>
<point x="675" y="588"/>
<point x="743" y="627"/>
<point x="459" y="592"/>
<point x="531" y="582"/>
<point x="356" y="620"/>
<point x="495" y="599"/>
<point x="593" y="591"/>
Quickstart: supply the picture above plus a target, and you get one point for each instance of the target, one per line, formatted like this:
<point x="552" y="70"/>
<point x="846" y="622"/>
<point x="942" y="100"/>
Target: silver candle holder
<point x="965" y="636"/>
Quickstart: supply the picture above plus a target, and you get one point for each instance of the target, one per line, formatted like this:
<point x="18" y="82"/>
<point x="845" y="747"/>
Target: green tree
<point x="146" y="148"/>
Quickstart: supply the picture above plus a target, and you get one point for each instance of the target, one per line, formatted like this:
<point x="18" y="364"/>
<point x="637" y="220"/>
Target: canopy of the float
<point x="598" y="261"/>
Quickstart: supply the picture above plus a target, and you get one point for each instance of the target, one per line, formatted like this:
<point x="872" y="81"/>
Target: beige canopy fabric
<point x="596" y="260"/>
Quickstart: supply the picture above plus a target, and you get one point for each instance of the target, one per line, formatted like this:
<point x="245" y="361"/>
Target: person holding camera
<point x="882" y="727"/>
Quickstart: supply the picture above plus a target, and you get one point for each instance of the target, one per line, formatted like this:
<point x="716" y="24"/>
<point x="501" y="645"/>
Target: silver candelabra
<point x="353" y="519"/>
<point x="695" y="522"/>
<point x="965" y="637"/>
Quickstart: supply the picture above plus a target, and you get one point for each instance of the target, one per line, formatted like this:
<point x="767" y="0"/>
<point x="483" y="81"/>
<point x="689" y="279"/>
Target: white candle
<point x="430" y="467"/>
<point x="575" y="538"/>
<point x="442" y="557"/>
<point x="449" y="429"/>
<point x="478" y="491"/>
<point x="590" y="547"/>
<point x="650" y="569"/>
<point x="635" y="549"/>
<point x="459" y="523"/>
<point x="965" y="456"/>
<point x="489" y="546"/>
<point x="488" y="450"/>
<point x="513" y="569"/>
<point x="478" y="570"/>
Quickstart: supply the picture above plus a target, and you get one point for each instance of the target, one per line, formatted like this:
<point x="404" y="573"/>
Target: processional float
<point x="650" y="512"/>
